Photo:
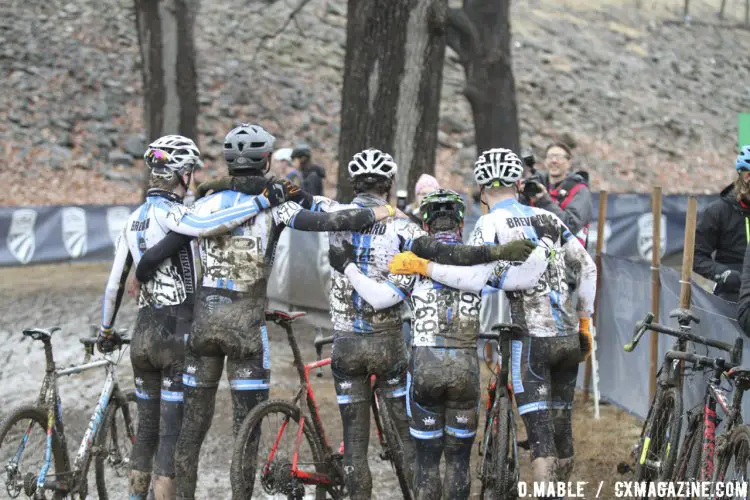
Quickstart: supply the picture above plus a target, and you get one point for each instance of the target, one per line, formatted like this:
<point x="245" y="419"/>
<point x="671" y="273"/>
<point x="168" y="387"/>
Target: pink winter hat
<point x="426" y="183"/>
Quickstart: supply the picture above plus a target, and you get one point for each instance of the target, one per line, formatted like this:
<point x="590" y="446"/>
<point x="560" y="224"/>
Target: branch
<point x="279" y="31"/>
<point x="462" y="34"/>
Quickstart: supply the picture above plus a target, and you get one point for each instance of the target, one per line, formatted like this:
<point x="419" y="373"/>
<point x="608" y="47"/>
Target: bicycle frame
<point x="49" y="396"/>
<point x="714" y="395"/>
<point x="305" y="395"/>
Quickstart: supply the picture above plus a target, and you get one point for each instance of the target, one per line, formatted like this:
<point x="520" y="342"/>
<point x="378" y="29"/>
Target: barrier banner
<point x="625" y="298"/>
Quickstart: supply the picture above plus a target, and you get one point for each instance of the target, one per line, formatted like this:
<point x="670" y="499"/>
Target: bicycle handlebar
<point x="707" y="361"/>
<point x="647" y="324"/>
<point x="320" y="342"/>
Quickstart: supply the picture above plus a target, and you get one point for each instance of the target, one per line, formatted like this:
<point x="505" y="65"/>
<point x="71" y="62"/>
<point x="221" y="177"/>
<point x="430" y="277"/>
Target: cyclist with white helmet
<point x="165" y="305"/>
<point x="369" y="341"/>
<point x="229" y="317"/>
<point x="443" y="380"/>
<point x="556" y="323"/>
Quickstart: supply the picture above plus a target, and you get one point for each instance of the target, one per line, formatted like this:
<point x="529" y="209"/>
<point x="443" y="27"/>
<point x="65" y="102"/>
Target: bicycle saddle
<point x="277" y="316"/>
<point x="41" y="333"/>
<point x="507" y="329"/>
<point x="684" y="316"/>
<point x="741" y="377"/>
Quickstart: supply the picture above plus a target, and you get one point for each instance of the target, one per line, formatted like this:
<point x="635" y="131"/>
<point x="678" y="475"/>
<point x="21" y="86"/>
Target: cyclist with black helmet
<point x="556" y="323"/>
<point x="229" y="319"/>
<point x="165" y="305"/>
<point x="443" y="380"/>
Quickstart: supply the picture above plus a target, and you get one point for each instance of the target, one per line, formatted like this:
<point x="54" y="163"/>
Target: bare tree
<point x="480" y="34"/>
<point x="393" y="72"/>
<point x="170" y="83"/>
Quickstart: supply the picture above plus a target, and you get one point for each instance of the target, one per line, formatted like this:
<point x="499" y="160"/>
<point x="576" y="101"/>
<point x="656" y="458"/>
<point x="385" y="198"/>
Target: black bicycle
<point x="702" y="449"/>
<point x="499" y="468"/>
<point x="657" y="447"/>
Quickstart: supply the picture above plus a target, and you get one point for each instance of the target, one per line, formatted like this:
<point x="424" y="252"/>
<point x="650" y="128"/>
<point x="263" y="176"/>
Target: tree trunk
<point x="393" y="73"/>
<point x="170" y="83"/>
<point x="480" y="34"/>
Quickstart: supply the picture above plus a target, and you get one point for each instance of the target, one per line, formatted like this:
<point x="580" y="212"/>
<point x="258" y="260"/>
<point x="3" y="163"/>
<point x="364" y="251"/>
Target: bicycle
<point x="104" y="442"/>
<point x="499" y="469"/>
<point x="286" y="472"/>
<point x="660" y="435"/>
<point x="701" y="445"/>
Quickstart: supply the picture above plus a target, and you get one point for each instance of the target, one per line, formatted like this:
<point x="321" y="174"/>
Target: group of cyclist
<point x="203" y="272"/>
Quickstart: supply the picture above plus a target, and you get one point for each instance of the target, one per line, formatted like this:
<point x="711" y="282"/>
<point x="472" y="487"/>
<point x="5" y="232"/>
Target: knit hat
<point x="426" y="183"/>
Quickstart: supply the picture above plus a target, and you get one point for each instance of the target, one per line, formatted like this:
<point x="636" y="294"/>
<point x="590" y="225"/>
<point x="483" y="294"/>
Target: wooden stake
<point x="687" y="257"/>
<point x="600" y="224"/>
<point x="655" y="285"/>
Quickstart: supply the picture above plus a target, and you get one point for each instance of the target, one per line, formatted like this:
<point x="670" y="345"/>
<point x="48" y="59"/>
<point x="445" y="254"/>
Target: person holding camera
<point x="561" y="191"/>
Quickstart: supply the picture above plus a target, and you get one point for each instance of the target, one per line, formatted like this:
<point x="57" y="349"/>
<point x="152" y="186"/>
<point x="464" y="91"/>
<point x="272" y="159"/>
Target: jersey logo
<point x="116" y="219"/>
<point x="428" y="421"/>
<point x="462" y="419"/>
<point x="21" y="240"/>
<point x="376" y="229"/>
<point x="140" y="225"/>
<point x="535" y="220"/>
<point x="74" y="231"/>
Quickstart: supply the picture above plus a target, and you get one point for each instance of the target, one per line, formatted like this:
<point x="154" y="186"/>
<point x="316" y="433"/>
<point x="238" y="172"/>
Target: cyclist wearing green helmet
<point x="443" y="379"/>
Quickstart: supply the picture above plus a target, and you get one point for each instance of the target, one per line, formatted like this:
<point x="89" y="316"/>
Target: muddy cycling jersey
<point x="174" y="282"/>
<point x="546" y="310"/>
<point x="445" y="308"/>
<point x="375" y="246"/>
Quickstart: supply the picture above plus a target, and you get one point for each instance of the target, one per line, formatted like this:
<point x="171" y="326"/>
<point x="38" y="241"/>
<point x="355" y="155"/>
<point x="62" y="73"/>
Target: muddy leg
<point x="147" y="433"/>
<point x="427" y="483"/>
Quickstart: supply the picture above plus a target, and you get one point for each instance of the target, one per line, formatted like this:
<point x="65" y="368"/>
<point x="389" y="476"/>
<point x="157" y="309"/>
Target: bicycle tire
<point x="661" y="431"/>
<point x="738" y="448"/>
<point x="690" y="455"/>
<point x="503" y="450"/>
<point x="242" y="483"/>
<point x="395" y="445"/>
<point x="39" y="416"/>
<point x="120" y="402"/>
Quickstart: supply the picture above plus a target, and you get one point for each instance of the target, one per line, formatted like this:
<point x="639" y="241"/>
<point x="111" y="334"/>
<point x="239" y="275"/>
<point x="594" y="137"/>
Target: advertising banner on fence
<point x="36" y="235"/>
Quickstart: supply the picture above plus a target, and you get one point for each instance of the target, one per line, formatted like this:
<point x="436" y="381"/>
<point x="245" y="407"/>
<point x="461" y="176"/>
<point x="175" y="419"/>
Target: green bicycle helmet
<point x="442" y="202"/>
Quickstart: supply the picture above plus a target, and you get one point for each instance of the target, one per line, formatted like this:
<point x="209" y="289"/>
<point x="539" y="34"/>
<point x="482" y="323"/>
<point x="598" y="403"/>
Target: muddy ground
<point x="69" y="296"/>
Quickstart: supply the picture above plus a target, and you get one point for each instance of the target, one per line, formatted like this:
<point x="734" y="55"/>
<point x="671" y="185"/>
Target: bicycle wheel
<point x="688" y="464"/>
<point x="272" y="427"/>
<point x="23" y="444"/>
<point x="734" y="463"/>
<point x="395" y="447"/>
<point x="657" y="449"/>
<point x="113" y="444"/>
<point x="500" y="465"/>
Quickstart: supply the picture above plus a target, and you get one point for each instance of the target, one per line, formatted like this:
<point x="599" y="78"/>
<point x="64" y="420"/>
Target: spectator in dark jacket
<point x="312" y="175"/>
<point x="723" y="232"/>
<point x="565" y="193"/>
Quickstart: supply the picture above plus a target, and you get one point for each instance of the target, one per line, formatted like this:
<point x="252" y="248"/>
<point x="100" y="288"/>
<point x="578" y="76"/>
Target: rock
<point x="445" y="140"/>
<point x="134" y="145"/>
<point x="114" y="175"/>
<point x="118" y="157"/>
<point x="318" y="120"/>
<point x="100" y="111"/>
<point x="452" y="124"/>
<point x="335" y="9"/>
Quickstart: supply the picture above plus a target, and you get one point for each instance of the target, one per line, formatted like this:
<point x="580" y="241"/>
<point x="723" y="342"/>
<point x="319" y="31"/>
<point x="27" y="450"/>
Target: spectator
<point x="312" y="175"/>
<point x="722" y="235"/>
<point x="282" y="162"/>
<point x="564" y="193"/>
<point x="425" y="185"/>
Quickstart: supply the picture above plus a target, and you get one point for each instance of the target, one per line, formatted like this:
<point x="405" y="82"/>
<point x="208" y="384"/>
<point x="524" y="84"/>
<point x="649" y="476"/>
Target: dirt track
<point x="69" y="296"/>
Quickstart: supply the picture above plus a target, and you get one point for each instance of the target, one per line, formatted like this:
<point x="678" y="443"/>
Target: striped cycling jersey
<point x="548" y="309"/>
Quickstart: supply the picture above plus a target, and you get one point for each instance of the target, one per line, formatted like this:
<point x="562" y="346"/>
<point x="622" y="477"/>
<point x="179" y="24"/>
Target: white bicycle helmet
<point x="172" y="154"/>
<point x="498" y="165"/>
<point x="372" y="162"/>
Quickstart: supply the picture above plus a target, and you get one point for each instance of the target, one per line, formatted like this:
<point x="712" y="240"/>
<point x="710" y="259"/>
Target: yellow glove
<point x="408" y="263"/>
<point x="584" y="336"/>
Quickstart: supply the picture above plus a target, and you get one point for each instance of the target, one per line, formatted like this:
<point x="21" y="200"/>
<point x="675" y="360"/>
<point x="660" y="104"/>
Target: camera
<point x="533" y="183"/>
